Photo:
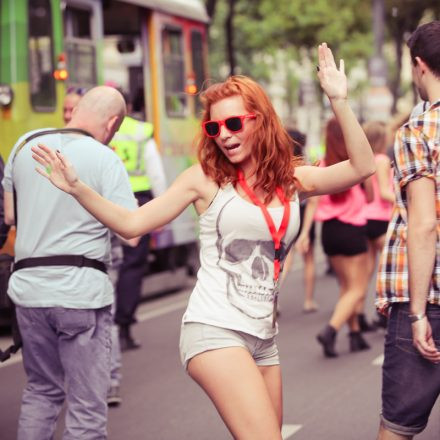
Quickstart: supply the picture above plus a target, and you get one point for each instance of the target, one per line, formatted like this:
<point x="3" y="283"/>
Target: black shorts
<point x="339" y="238"/>
<point x="312" y="233"/>
<point x="376" y="228"/>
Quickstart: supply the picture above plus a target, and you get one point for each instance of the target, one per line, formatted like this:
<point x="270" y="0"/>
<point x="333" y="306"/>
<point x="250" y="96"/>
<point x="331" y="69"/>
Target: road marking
<point x="378" y="362"/>
<point x="163" y="310"/>
<point x="288" y="430"/>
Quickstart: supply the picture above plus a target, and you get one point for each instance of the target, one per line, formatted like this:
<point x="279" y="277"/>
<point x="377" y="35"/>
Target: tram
<point x="152" y="49"/>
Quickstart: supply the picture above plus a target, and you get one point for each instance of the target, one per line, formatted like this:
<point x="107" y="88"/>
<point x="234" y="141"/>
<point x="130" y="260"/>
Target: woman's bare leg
<point x="353" y="278"/>
<point x="243" y="395"/>
<point x="309" y="280"/>
<point x="272" y="378"/>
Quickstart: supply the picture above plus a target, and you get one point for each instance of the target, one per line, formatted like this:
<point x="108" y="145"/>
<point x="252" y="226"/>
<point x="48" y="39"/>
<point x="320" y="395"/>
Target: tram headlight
<point x="6" y="95"/>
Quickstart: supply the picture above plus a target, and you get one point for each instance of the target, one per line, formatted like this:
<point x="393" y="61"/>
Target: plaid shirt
<point x="416" y="154"/>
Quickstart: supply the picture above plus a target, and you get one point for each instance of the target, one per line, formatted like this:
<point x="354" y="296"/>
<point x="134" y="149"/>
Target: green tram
<point x="153" y="49"/>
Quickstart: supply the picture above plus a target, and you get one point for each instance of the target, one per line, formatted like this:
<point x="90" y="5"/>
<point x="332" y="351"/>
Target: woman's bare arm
<point x="360" y="165"/>
<point x="186" y="189"/>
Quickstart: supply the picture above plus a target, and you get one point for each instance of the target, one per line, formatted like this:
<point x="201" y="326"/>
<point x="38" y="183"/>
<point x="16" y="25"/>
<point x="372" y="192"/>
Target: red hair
<point x="335" y="151"/>
<point x="272" y="146"/>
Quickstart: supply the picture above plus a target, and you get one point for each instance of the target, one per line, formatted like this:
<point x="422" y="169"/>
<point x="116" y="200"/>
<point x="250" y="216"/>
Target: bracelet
<point x="416" y="317"/>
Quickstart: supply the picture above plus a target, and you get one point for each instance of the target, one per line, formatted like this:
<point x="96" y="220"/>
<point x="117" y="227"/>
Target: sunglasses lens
<point x="233" y="124"/>
<point x="212" y="128"/>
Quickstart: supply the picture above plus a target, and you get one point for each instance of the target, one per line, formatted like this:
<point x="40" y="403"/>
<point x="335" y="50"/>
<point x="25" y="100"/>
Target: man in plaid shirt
<point x="408" y="283"/>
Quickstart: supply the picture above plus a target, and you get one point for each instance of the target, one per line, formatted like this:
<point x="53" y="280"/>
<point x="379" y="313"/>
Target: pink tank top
<point x="379" y="209"/>
<point x="350" y="209"/>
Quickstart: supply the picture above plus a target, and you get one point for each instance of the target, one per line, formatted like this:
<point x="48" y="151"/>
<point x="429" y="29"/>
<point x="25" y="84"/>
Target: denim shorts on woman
<point x="196" y="338"/>
<point x="410" y="383"/>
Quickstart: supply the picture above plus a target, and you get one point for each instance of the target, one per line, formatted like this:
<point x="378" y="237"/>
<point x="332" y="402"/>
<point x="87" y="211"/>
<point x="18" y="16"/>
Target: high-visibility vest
<point x="315" y="153"/>
<point x="129" y="144"/>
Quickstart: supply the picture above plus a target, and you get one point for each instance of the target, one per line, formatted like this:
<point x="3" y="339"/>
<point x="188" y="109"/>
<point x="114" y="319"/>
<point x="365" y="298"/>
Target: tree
<point x="403" y="17"/>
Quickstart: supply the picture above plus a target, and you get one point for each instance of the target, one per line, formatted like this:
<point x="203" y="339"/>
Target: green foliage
<point x="262" y="27"/>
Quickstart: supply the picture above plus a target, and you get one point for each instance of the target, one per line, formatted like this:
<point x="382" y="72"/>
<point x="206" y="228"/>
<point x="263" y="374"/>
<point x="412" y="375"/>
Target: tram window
<point x="174" y="74"/>
<point x="41" y="60"/>
<point x="80" y="47"/>
<point x="198" y="64"/>
<point x="80" y="22"/>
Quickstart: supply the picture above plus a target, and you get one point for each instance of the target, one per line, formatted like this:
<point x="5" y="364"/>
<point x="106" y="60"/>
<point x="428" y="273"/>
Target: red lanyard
<point x="276" y="235"/>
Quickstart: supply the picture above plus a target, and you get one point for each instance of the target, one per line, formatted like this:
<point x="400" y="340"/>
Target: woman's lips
<point x="232" y="147"/>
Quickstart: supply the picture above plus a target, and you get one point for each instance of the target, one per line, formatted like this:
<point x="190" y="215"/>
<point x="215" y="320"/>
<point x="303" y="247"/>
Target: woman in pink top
<point x="345" y="243"/>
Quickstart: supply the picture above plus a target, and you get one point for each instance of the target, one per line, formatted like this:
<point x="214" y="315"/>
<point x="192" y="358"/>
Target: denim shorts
<point x="410" y="383"/>
<point x="196" y="338"/>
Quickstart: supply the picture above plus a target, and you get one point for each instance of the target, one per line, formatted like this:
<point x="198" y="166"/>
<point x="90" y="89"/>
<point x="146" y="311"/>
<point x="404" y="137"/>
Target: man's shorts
<point x="196" y="338"/>
<point x="410" y="383"/>
<point x="339" y="238"/>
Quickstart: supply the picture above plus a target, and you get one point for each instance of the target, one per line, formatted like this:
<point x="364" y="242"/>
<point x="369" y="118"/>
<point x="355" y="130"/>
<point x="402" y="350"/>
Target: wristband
<point x="416" y="317"/>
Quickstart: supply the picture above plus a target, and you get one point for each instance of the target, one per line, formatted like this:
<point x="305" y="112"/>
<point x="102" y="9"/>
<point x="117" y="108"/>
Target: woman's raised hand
<point x="333" y="80"/>
<point x="56" y="168"/>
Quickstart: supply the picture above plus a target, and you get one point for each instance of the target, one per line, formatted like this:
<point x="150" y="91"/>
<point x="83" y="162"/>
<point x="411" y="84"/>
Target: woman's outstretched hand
<point x="56" y="168"/>
<point x="333" y="80"/>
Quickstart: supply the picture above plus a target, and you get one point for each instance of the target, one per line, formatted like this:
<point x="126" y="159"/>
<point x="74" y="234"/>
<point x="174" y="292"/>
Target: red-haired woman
<point x="246" y="191"/>
<point x="344" y="241"/>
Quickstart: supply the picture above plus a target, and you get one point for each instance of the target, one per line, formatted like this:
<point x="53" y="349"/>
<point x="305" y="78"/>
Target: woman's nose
<point x="224" y="132"/>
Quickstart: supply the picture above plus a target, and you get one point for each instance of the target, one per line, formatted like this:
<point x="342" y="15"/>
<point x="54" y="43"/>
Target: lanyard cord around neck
<point x="277" y="235"/>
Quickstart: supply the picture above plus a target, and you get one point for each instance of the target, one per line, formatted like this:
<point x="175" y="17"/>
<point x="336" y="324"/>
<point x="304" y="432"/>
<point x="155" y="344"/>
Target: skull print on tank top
<point x="235" y="283"/>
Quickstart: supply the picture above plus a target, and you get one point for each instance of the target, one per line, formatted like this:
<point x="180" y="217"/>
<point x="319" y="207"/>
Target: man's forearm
<point x="422" y="240"/>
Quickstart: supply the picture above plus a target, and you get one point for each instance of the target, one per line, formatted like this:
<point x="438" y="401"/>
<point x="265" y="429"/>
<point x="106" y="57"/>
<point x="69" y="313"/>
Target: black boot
<point x="327" y="337"/>
<point x="357" y="342"/>
<point x="126" y="340"/>
<point x="364" y="324"/>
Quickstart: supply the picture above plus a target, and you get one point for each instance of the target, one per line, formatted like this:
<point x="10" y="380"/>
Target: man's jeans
<point x="66" y="355"/>
<point x="410" y="383"/>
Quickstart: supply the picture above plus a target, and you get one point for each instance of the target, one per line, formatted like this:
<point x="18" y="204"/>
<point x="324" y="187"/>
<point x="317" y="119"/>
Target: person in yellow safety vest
<point x="135" y="145"/>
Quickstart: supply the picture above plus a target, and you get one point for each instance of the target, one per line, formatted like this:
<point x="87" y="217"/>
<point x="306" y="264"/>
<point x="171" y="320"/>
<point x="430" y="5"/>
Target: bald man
<point x="59" y="285"/>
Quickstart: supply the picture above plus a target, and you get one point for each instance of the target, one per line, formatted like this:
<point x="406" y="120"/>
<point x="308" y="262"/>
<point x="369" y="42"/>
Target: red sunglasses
<point x="233" y="123"/>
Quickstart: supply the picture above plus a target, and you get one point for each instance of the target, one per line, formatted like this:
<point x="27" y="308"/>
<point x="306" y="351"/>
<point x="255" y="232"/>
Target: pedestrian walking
<point x="246" y="191"/>
<point x="344" y="241"/>
<point x="135" y="145"/>
<point x="307" y="251"/>
<point x="378" y="211"/>
<point x="59" y="285"/>
<point x="71" y="100"/>
<point x="408" y="281"/>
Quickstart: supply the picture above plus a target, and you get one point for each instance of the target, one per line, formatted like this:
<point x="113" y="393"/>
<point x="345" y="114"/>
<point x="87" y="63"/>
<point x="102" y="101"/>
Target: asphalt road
<point x="324" y="399"/>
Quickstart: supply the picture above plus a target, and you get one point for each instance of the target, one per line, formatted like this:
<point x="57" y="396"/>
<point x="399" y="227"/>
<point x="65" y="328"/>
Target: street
<point x="324" y="399"/>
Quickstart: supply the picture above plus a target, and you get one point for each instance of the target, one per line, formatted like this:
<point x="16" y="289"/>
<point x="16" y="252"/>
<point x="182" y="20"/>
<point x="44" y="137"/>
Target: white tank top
<point x="235" y="283"/>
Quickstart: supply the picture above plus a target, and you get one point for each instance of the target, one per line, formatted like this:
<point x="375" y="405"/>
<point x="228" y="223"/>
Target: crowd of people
<point x="253" y="192"/>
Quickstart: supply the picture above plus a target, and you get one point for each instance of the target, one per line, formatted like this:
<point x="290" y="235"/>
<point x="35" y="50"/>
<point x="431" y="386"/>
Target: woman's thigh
<point x="272" y="377"/>
<point x="242" y="392"/>
<point x="351" y="270"/>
